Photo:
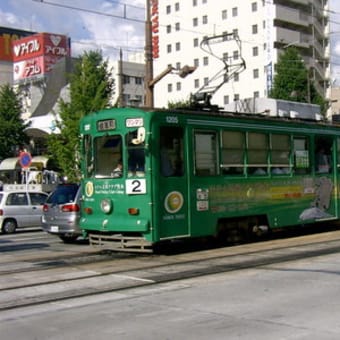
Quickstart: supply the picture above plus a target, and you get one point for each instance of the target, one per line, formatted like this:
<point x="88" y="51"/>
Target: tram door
<point x="172" y="203"/>
<point x="325" y="202"/>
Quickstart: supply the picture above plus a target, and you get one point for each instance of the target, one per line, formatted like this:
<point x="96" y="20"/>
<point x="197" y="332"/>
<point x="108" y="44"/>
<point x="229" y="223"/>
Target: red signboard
<point x="155" y="28"/>
<point x="40" y="44"/>
<point x="35" y="55"/>
<point x="7" y="35"/>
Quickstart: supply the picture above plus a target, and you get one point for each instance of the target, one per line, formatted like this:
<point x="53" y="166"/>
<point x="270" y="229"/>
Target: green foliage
<point x="180" y="104"/>
<point x="293" y="81"/>
<point x="91" y="86"/>
<point x="12" y="127"/>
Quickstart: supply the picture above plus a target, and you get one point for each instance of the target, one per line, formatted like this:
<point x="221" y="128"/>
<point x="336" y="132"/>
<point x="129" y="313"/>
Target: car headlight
<point x="106" y="205"/>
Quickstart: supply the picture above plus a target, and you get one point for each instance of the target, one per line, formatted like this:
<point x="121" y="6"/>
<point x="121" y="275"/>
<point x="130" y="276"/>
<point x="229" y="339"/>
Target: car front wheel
<point x="9" y="226"/>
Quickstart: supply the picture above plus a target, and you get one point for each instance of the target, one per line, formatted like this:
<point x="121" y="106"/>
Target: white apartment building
<point x="265" y="28"/>
<point x="129" y="83"/>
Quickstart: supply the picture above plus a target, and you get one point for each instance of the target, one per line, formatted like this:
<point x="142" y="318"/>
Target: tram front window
<point x="108" y="157"/>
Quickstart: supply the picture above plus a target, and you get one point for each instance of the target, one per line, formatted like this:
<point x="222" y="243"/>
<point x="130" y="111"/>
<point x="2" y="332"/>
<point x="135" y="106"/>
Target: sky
<point x="91" y="24"/>
<point x="109" y="25"/>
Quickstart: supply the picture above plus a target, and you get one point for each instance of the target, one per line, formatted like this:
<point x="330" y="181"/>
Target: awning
<point x="39" y="161"/>
<point x="10" y="164"/>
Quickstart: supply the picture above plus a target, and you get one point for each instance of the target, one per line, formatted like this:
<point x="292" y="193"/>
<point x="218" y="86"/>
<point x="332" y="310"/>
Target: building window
<point x="196" y="41"/>
<point x="234" y="12"/>
<point x="196" y="62"/>
<point x="168" y="29"/>
<point x="177" y="6"/>
<point x="204" y="1"/>
<point x="177" y="26"/>
<point x="236" y="76"/>
<point x="196" y="83"/>
<point x="254" y="7"/>
<point x="204" y="19"/>
<point x="194" y="3"/>
<point x="254" y="29"/>
<point x="126" y="79"/>
<point x="235" y="32"/>
<point x="226" y="100"/>
<point x="195" y="22"/>
<point x="169" y="87"/>
<point x="168" y="9"/>
<point x="256" y="94"/>
<point x="236" y="97"/>
<point x="138" y="80"/>
<point x="206" y="81"/>
<point x="224" y="14"/>
<point x="255" y="51"/>
<point x="168" y="48"/>
<point x="205" y="61"/>
<point x="178" y="46"/>
<point x="178" y="86"/>
<point x="256" y="73"/>
<point x="235" y="55"/>
<point x="178" y="66"/>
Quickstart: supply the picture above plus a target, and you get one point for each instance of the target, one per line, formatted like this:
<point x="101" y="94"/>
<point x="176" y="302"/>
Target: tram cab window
<point x="301" y="155"/>
<point x="205" y="153"/>
<point x="136" y="153"/>
<point x="232" y="155"/>
<point x="257" y="153"/>
<point x="88" y="159"/>
<point x="323" y="152"/>
<point x="171" y="151"/>
<point x="108" y="153"/>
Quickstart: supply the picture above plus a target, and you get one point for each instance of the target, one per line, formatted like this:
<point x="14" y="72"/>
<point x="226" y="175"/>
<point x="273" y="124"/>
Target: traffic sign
<point x="25" y="159"/>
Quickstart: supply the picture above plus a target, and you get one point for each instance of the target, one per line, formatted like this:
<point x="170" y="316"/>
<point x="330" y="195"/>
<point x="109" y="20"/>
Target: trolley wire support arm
<point x="201" y="99"/>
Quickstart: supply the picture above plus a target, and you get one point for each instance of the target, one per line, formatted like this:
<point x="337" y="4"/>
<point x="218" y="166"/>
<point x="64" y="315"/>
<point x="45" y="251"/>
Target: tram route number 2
<point x="135" y="186"/>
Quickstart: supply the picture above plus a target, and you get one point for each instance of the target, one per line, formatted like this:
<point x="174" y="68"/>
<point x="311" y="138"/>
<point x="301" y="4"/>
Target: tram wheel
<point x="68" y="239"/>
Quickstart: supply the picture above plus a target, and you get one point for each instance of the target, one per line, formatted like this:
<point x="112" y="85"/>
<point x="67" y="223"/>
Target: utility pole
<point x="149" y="100"/>
<point x="120" y="80"/>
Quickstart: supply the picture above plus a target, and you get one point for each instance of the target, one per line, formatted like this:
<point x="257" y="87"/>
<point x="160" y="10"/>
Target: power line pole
<point x="149" y="100"/>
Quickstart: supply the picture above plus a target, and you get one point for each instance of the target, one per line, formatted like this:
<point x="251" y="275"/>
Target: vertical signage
<point x="155" y="28"/>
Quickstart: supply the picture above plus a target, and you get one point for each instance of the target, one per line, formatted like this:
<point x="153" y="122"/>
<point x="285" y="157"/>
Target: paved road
<point x="298" y="299"/>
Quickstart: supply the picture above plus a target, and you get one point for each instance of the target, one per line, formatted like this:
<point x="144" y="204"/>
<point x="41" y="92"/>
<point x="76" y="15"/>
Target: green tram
<point x="152" y="176"/>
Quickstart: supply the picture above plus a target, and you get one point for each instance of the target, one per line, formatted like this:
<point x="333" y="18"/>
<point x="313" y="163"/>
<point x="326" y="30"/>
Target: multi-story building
<point x="203" y="33"/>
<point x="129" y="82"/>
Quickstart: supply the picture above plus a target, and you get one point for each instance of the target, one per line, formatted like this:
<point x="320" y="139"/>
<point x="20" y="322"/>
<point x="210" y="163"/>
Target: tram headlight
<point x="106" y="205"/>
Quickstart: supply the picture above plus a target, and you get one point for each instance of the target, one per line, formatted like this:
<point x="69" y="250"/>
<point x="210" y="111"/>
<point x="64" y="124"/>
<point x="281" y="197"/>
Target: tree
<point x="293" y="80"/>
<point x="12" y="126"/>
<point x="90" y="89"/>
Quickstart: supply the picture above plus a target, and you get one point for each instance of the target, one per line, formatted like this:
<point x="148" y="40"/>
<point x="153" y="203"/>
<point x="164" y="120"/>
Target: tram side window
<point x="108" y="153"/>
<point x="257" y="153"/>
<point x="301" y="155"/>
<point x="232" y="156"/>
<point x="280" y="154"/>
<point x="205" y="153"/>
<point x="171" y="151"/>
<point x="323" y="154"/>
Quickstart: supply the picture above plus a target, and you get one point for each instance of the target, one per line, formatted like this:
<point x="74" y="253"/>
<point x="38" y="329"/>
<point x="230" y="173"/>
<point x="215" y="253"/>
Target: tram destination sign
<point x="105" y="125"/>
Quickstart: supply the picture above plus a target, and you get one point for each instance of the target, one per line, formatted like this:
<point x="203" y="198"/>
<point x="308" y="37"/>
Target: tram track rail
<point x="119" y="275"/>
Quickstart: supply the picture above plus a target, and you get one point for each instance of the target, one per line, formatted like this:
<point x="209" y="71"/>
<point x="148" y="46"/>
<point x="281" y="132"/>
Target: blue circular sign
<point x="25" y="159"/>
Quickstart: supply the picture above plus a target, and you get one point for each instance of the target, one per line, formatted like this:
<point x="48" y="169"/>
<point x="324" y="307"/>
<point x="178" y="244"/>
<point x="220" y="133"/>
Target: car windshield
<point x="63" y="194"/>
